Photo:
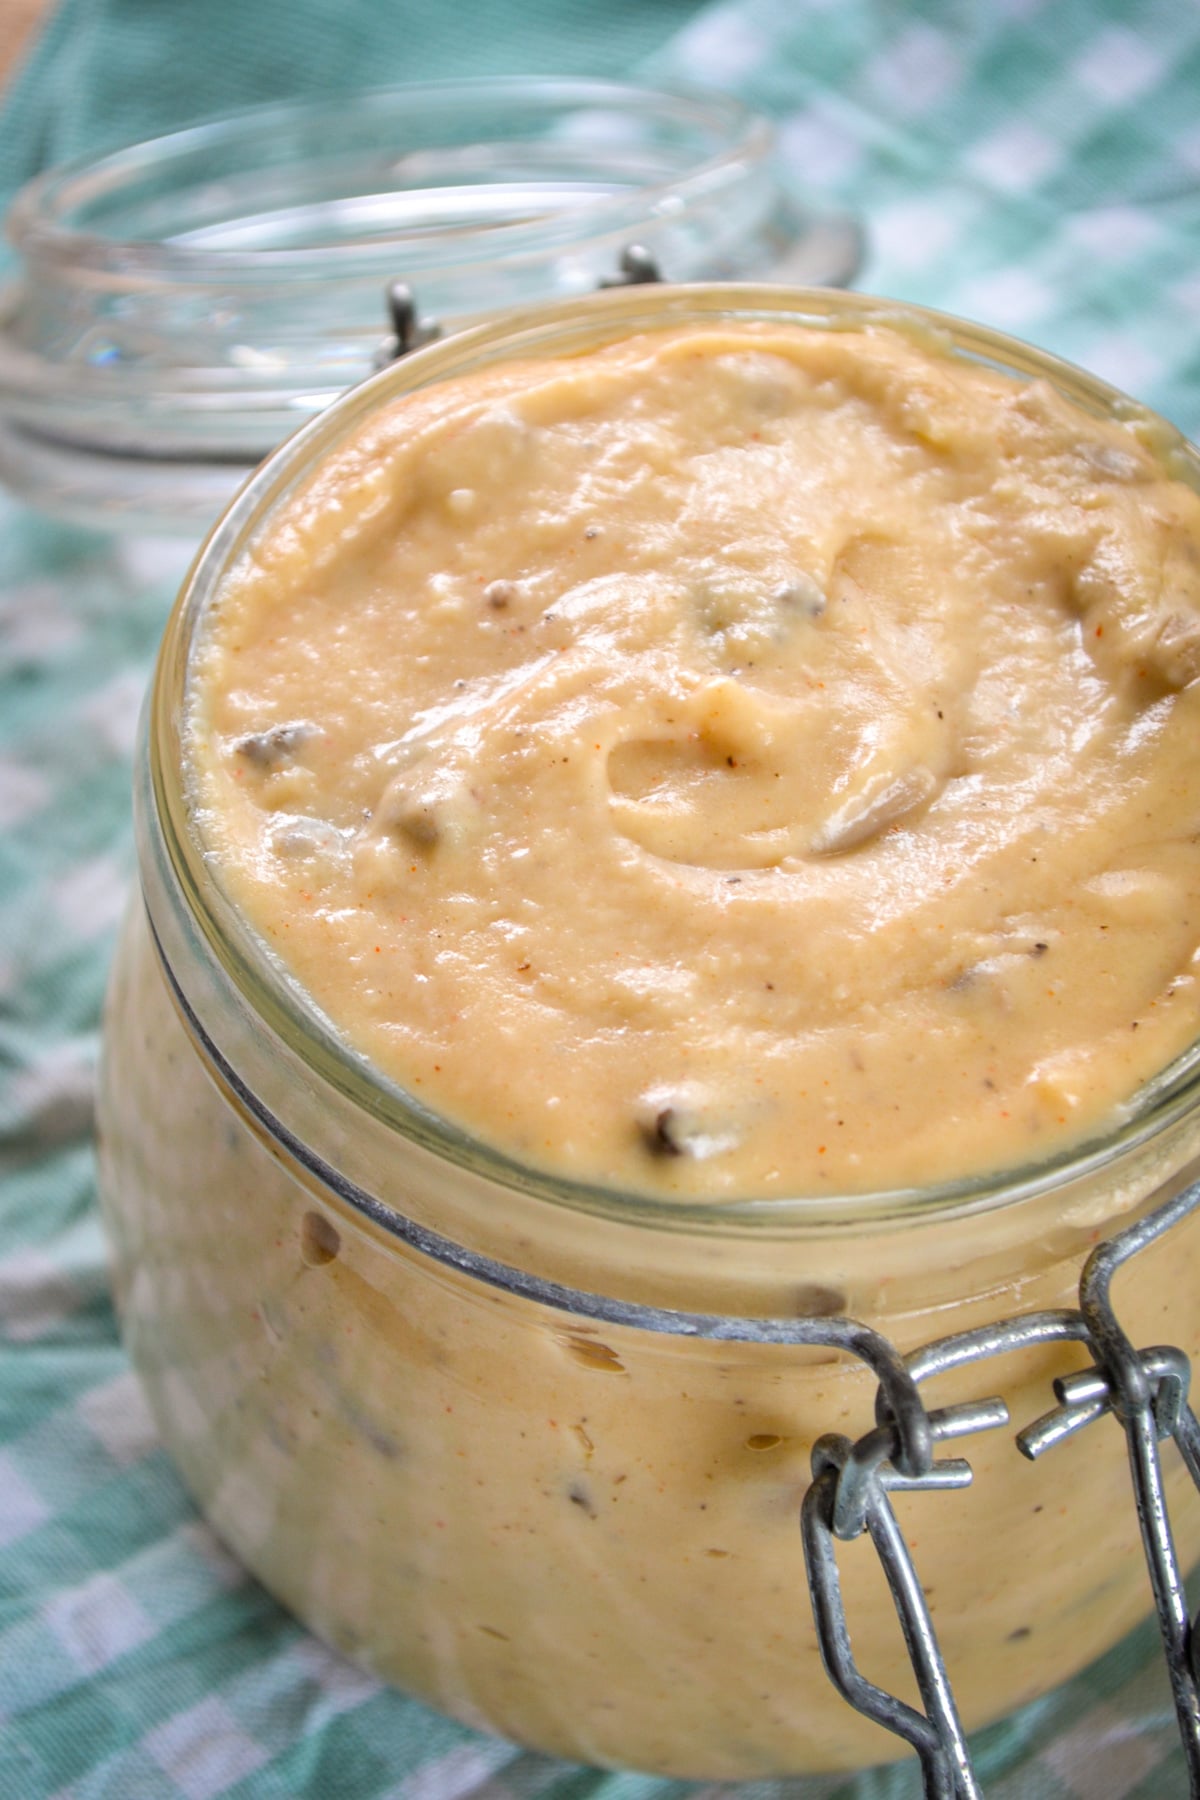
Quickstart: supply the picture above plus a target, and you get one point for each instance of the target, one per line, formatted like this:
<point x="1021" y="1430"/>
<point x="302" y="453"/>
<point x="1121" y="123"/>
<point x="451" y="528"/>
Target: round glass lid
<point x="185" y="303"/>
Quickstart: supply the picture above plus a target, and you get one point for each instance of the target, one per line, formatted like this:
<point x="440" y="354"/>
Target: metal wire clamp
<point x="1145" y="1390"/>
<point x="636" y="267"/>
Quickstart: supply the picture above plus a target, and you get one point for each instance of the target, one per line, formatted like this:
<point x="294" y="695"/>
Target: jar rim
<point x="181" y="304"/>
<point x="38" y="224"/>
<point x="277" y="999"/>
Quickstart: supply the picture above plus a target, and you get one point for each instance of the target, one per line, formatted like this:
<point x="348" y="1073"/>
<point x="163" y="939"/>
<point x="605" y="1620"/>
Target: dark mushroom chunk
<point x="428" y="807"/>
<point x="662" y="1134"/>
<point x="277" y="744"/>
<point x="417" y="820"/>
<point x="801" y="595"/>
<point x="683" y="1124"/>
<point x="816" y="1301"/>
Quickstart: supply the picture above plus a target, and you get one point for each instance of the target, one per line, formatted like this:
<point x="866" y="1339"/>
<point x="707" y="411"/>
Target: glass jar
<point x="535" y="1450"/>
<point x="184" y="304"/>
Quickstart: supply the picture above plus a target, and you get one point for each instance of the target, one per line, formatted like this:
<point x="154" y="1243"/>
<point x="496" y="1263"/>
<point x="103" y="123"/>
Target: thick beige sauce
<point x="742" y="760"/>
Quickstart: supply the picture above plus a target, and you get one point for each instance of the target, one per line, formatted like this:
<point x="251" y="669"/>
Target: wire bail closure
<point x="636" y="267"/>
<point x="1145" y="1390"/>
<point x="409" y="331"/>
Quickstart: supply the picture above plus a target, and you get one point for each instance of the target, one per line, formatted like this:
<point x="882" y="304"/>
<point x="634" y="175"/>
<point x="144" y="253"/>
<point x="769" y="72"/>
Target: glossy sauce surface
<point x="744" y="760"/>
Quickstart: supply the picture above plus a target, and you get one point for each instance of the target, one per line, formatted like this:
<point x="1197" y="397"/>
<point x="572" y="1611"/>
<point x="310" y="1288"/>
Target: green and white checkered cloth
<point x="1031" y="163"/>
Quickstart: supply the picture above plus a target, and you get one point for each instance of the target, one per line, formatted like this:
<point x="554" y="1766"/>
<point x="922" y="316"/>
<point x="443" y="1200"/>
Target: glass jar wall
<point x="562" y="1526"/>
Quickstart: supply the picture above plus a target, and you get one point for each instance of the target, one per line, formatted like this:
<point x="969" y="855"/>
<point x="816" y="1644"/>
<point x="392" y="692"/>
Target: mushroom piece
<point x="276" y="744"/>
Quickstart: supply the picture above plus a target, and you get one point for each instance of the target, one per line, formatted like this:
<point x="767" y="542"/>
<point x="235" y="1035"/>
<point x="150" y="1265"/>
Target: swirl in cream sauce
<point x="748" y="760"/>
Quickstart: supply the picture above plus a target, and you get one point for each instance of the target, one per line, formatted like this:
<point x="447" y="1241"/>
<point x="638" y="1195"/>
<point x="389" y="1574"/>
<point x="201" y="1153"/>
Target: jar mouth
<point x="187" y="302"/>
<point x="166" y="819"/>
<point x="269" y="193"/>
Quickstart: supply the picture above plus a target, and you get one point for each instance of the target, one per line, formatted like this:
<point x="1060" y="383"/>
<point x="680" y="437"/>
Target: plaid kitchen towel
<point x="1031" y="163"/>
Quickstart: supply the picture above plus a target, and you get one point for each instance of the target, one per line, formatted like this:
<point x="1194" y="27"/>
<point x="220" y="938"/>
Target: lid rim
<point x="36" y="231"/>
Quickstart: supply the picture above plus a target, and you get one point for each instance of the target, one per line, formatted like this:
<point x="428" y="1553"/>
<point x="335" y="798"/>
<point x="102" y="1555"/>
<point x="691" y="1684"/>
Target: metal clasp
<point x="635" y="267"/>
<point x="409" y="330"/>
<point x="1145" y="1390"/>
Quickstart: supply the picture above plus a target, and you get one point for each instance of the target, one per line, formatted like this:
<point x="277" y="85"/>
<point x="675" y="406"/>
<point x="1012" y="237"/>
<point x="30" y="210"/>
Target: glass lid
<point x="180" y="306"/>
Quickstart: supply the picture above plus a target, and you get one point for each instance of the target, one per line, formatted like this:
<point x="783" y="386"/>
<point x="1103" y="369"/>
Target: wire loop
<point x="1146" y="1391"/>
